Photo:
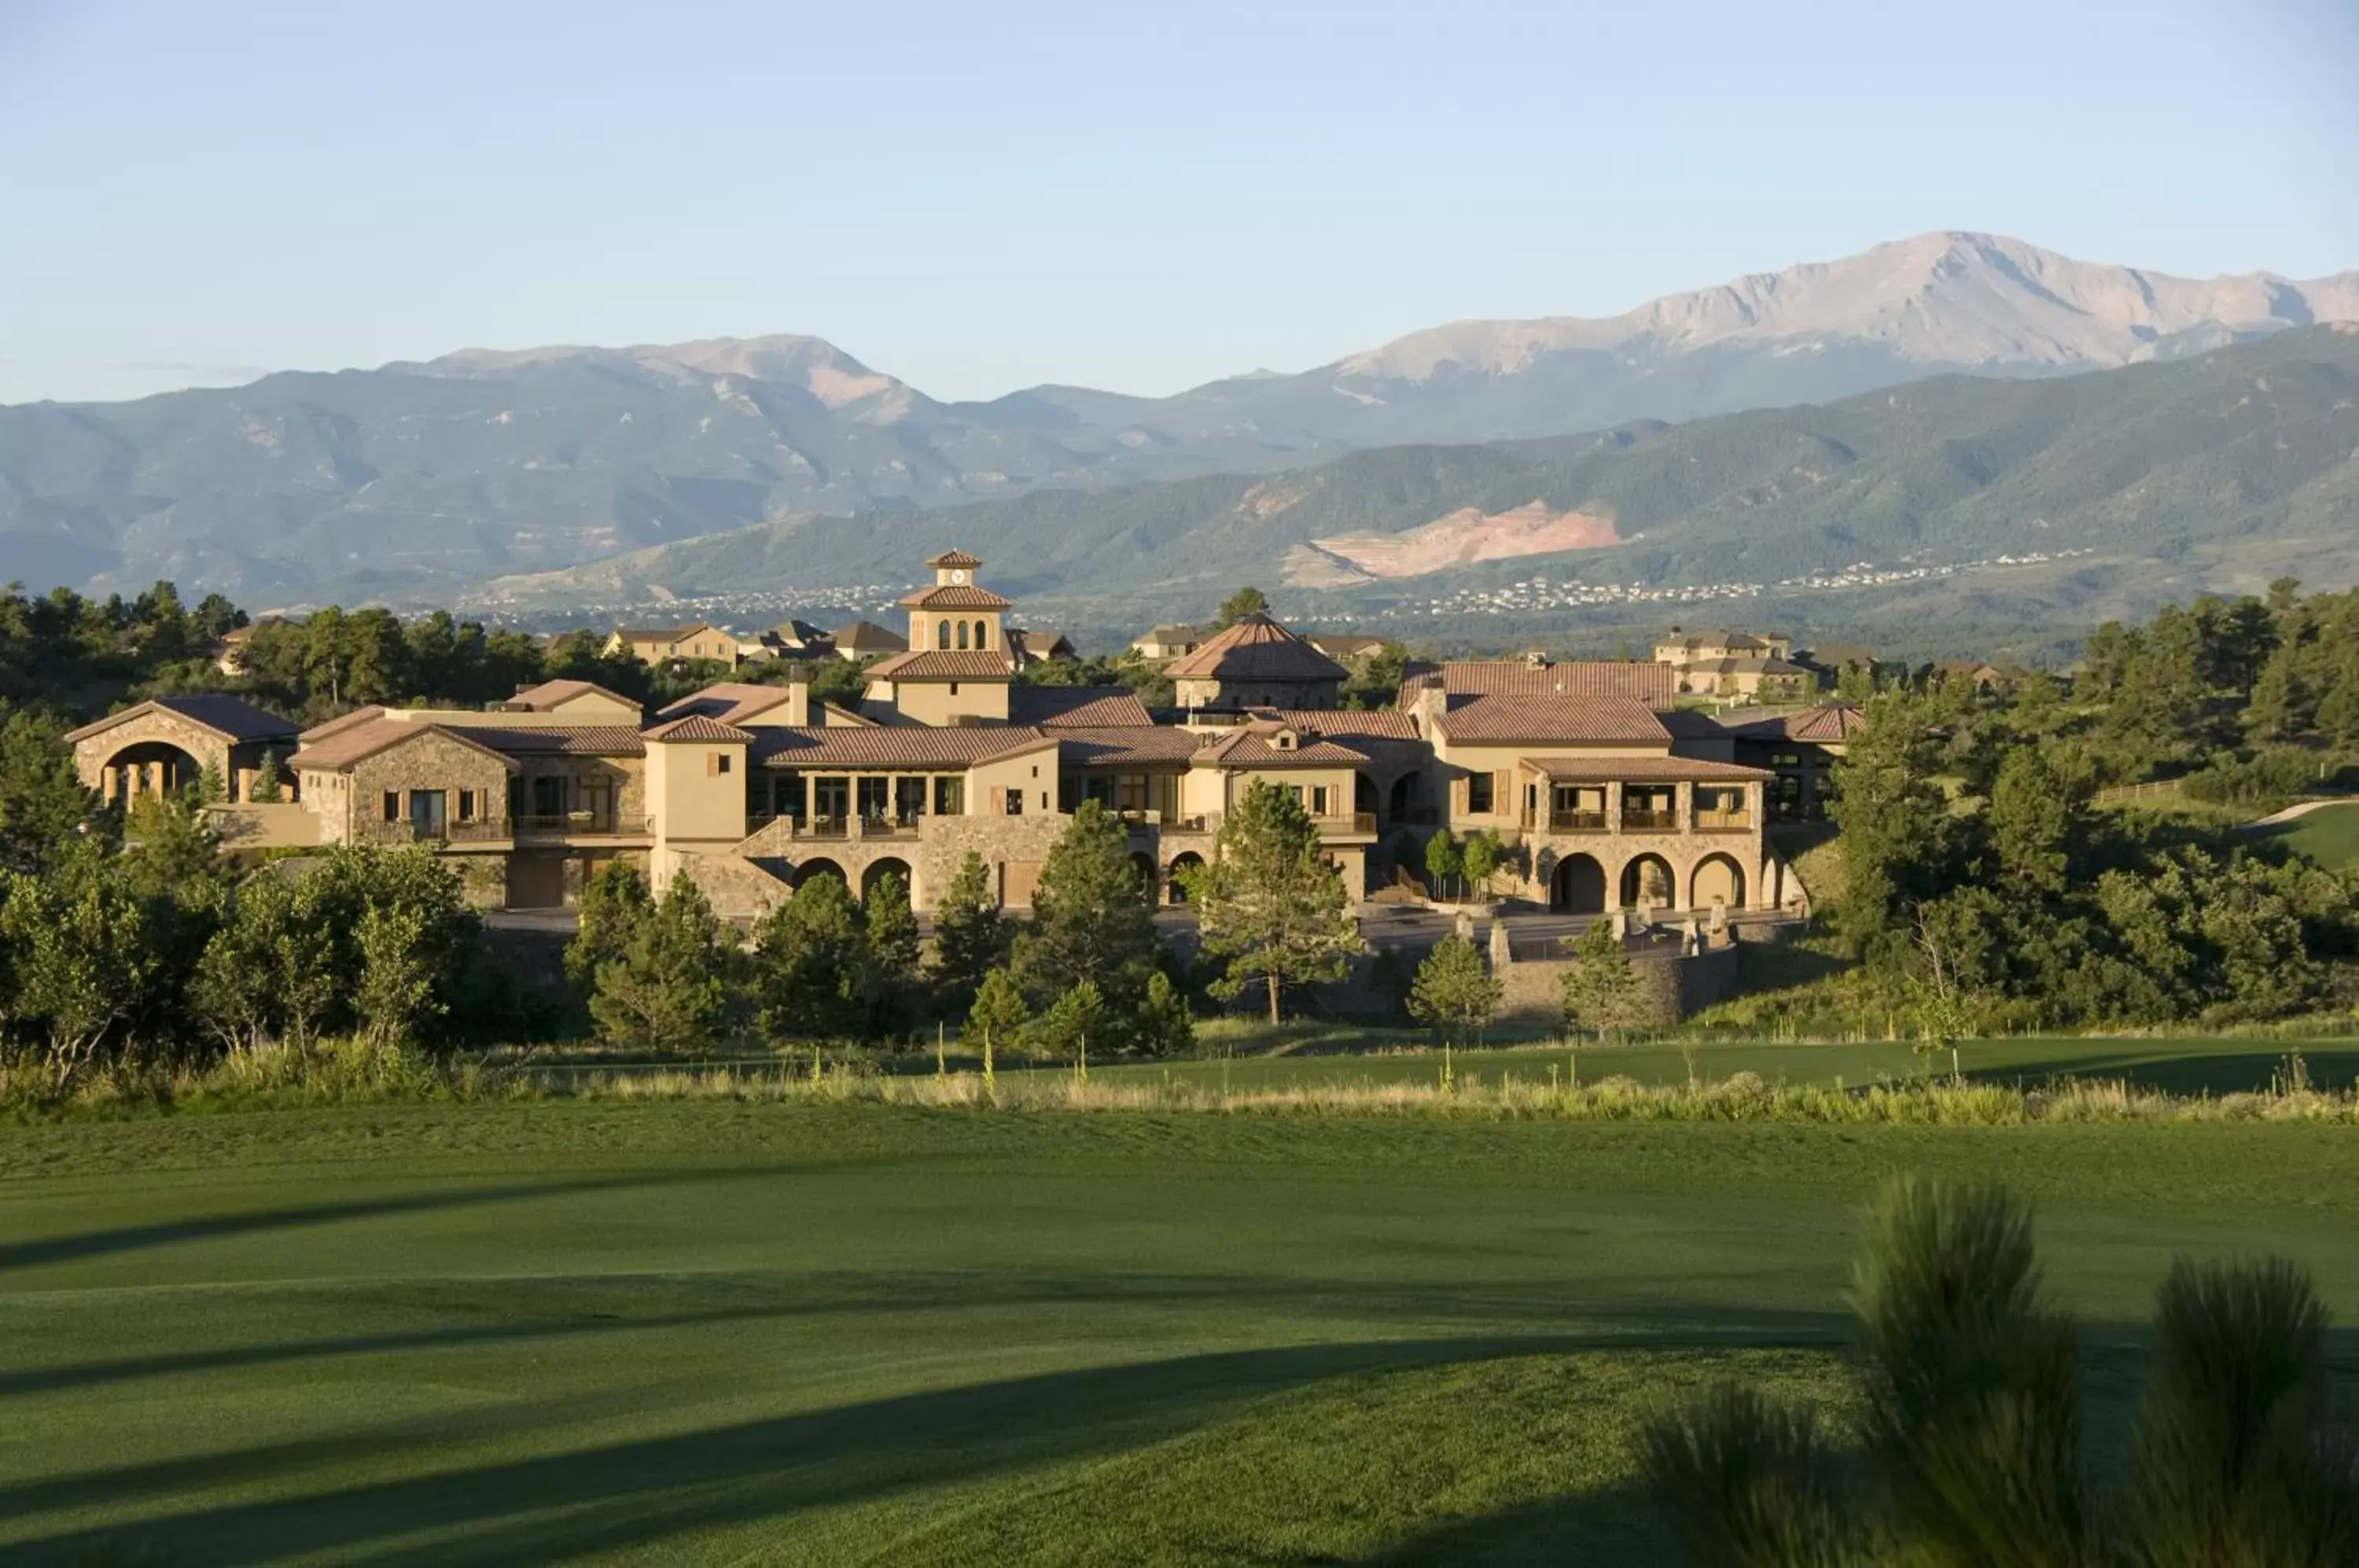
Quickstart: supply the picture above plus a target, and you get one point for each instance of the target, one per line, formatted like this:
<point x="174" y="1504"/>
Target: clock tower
<point x="957" y="670"/>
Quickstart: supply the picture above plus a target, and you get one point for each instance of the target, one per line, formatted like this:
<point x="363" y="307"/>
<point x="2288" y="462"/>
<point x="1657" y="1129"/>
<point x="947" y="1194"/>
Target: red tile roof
<point x="698" y="727"/>
<point x="953" y="558"/>
<point x="342" y="722"/>
<point x="1610" y="720"/>
<point x="1076" y="707"/>
<point x="1345" y="724"/>
<point x="731" y="701"/>
<point x="356" y="743"/>
<point x="975" y="664"/>
<point x="571" y="740"/>
<point x="1828" y="724"/>
<point x="1656" y="685"/>
<point x="1255" y="648"/>
<point x="892" y="746"/>
<point x="1129" y="745"/>
<point x="1255" y="745"/>
<point x="867" y="636"/>
<point x="549" y="693"/>
<point x="954" y="596"/>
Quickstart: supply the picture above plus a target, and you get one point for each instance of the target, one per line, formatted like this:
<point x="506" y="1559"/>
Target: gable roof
<point x="1345" y="724"/>
<point x="552" y="694"/>
<point x="356" y="743"/>
<point x="1345" y="645"/>
<point x="731" y="701"/>
<point x="1594" y="720"/>
<point x="1039" y="642"/>
<point x="1128" y="745"/>
<point x="1255" y="648"/>
<point x="1076" y="707"/>
<point x="1654" y="685"/>
<point x="664" y="634"/>
<point x="697" y="727"/>
<point x="231" y="718"/>
<point x="867" y="636"/>
<point x="972" y="664"/>
<point x="950" y="558"/>
<point x="342" y="722"/>
<point x="1256" y="745"/>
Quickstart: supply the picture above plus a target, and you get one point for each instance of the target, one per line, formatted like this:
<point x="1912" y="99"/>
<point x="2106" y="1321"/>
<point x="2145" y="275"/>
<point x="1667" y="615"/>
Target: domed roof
<point x="1255" y="648"/>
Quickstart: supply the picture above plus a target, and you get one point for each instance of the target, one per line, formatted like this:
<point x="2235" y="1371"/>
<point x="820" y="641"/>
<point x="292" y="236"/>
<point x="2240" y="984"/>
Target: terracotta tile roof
<point x="1345" y="724"/>
<point x="1646" y="768"/>
<point x="1255" y="648"/>
<point x="953" y="558"/>
<point x="1741" y="666"/>
<point x="1828" y="724"/>
<point x="1129" y="745"/>
<point x="663" y="634"/>
<point x="954" y="596"/>
<point x="358" y="742"/>
<point x="1345" y="645"/>
<point x="891" y="746"/>
<point x="1255" y="745"/>
<point x="1076" y="707"/>
<point x="867" y="636"/>
<point x="234" y="718"/>
<point x="1039" y="642"/>
<point x="1656" y="685"/>
<point x="342" y="722"/>
<point x="1613" y="720"/>
<point x="571" y="740"/>
<point x="697" y="726"/>
<point x="1685" y="723"/>
<point x="731" y="701"/>
<point x="975" y="664"/>
<point x="549" y="693"/>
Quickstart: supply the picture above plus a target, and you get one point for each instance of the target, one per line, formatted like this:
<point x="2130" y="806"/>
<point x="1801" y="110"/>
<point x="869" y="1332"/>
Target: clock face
<point x="959" y="575"/>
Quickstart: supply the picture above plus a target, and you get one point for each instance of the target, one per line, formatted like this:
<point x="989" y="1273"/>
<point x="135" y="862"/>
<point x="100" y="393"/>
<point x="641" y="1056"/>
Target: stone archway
<point x="811" y="870"/>
<point x="1577" y="885"/>
<point x="1717" y="880"/>
<point x="1405" y="792"/>
<point x="878" y="869"/>
<point x="1648" y="882"/>
<point x="149" y="767"/>
<point x="1182" y="862"/>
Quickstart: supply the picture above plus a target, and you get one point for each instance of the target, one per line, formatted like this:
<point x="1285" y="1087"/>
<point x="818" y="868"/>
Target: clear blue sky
<point x="980" y="197"/>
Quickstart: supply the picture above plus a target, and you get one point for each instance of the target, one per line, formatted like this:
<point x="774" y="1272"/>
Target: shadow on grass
<point x="620" y="1496"/>
<point x="2209" y="1073"/>
<point x="1619" y="1524"/>
<point x="170" y="1232"/>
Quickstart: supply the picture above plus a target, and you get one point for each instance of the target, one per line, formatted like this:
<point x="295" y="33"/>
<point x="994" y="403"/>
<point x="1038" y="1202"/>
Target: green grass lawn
<point x="2192" y="1065"/>
<point x="2329" y="835"/>
<point x="714" y="1333"/>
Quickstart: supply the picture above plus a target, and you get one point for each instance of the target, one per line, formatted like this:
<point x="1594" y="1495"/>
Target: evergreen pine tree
<point x="614" y="905"/>
<point x="997" y="1019"/>
<point x="1091" y="921"/>
<point x="1268" y="904"/>
<point x="1454" y="995"/>
<point x="1600" y="990"/>
<point x="971" y="934"/>
<point x="811" y="959"/>
<point x="669" y="991"/>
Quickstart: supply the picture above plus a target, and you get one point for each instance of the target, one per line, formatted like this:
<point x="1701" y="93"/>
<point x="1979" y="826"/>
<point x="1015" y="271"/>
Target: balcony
<point x="1640" y="818"/>
<point x="374" y="831"/>
<point x="1723" y="822"/>
<point x="1576" y="822"/>
<point x="891" y="825"/>
<point x="582" y="824"/>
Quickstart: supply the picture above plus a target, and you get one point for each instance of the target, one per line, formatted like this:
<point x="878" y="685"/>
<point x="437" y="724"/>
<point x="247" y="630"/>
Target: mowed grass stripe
<point x="863" y="1334"/>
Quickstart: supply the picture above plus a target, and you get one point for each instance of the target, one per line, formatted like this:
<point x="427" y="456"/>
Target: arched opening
<point x="962" y="631"/>
<point x="149" y="767"/>
<point x="1648" y="883"/>
<point x="1405" y="794"/>
<point x="1718" y="881"/>
<point x="1144" y="865"/>
<point x="811" y="870"/>
<point x="943" y="635"/>
<point x="1577" y="887"/>
<point x="1177" y="890"/>
<point x="878" y="870"/>
<point x="983" y="634"/>
<point x="1363" y="795"/>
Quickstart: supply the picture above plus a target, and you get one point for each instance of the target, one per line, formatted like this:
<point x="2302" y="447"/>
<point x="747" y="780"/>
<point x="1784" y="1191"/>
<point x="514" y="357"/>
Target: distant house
<point x="1983" y="675"/>
<point x="866" y="639"/>
<point x="1170" y="641"/>
<point x="659" y="645"/>
<point x="1031" y="645"/>
<point x="581" y="701"/>
<point x="1686" y="648"/>
<point x="229" y="653"/>
<point x="788" y="639"/>
<point x="1345" y="646"/>
<point x="1746" y="679"/>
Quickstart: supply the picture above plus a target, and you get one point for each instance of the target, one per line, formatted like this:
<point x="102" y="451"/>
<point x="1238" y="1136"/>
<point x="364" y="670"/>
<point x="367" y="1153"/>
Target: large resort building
<point x="1606" y="796"/>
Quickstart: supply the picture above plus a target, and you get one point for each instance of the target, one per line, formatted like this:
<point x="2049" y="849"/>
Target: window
<point x="716" y="762"/>
<point x="943" y="635"/>
<point x="961" y="626"/>
<point x="954" y="688"/>
<point x="950" y="797"/>
<point x="466" y="805"/>
<point x="1015" y="802"/>
<point x="393" y="805"/>
<point x="1478" y="792"/>
<point x="1319" y="801"/>
<point x="983" y="634"/>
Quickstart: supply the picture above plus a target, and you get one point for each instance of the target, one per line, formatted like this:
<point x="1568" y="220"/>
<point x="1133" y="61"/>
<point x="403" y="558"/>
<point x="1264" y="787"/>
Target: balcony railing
<point x="1576" y="822"/>
<point x="890" y="826"/>
<point x="582" y="824"/>
<point x="408" y="831"/>
<point x="1640" y="818"/>
<point x="1723" y="822"/>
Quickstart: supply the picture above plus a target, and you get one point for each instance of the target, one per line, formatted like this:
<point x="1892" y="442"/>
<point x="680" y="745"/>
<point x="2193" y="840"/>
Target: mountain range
<point x="2231" y="467"/>
<point x="419" y="481"/>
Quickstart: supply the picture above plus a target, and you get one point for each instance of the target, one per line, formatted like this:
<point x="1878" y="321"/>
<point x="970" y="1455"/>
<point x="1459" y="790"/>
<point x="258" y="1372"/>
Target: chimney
<point x="1536" y="660"/>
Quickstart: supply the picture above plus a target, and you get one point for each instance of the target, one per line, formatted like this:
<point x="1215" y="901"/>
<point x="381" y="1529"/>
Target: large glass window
<point x="830" y="800"/>
<point x="908" y="800"/>
<point x="875" y="796"/>
<point x="950" y="797"/>
<point x="1478" y="792"/>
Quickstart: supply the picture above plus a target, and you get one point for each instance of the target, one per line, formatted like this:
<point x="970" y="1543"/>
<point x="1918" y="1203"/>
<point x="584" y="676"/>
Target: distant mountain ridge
<point x="2228" y="468"/>
<point x="421" y="479"/>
